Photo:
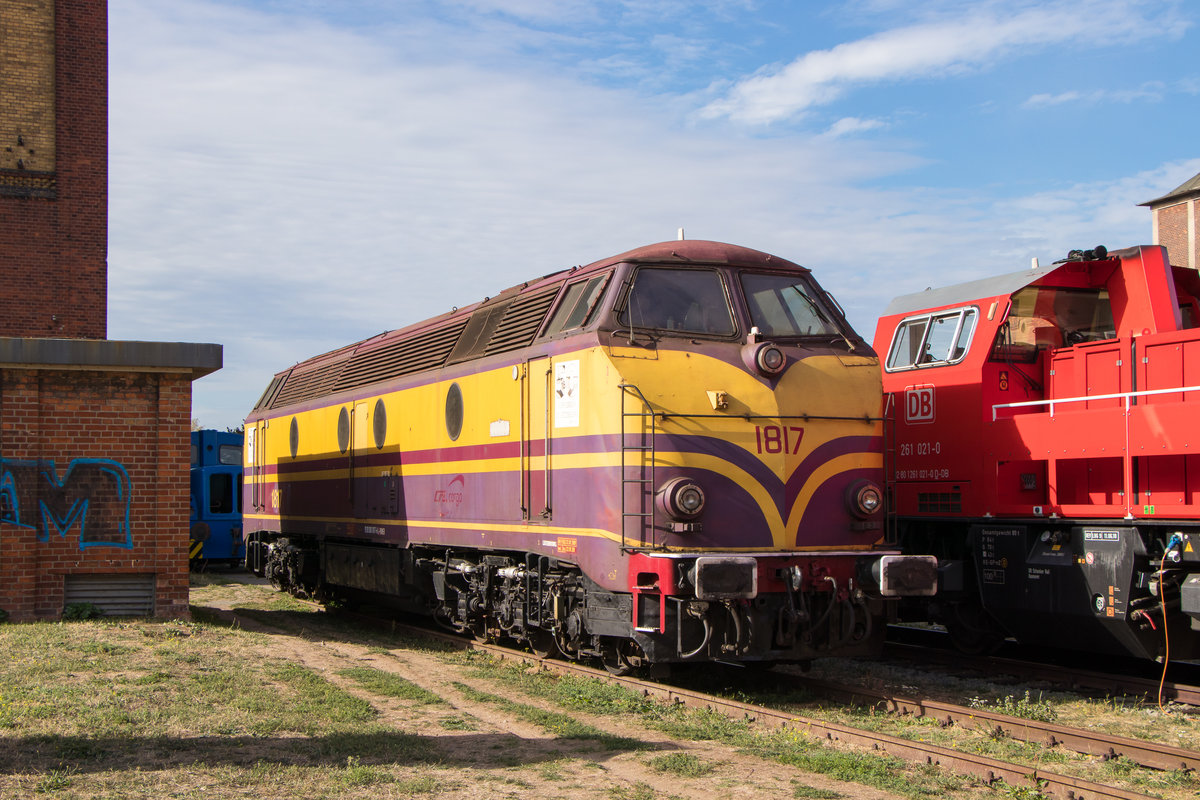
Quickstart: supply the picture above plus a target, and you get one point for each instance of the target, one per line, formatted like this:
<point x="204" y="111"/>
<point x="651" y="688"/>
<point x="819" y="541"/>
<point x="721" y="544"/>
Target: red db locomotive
<point x="1043" y="444"/>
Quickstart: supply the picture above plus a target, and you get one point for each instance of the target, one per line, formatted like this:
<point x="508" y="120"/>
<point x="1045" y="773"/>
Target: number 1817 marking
<point x="778" y="439"/>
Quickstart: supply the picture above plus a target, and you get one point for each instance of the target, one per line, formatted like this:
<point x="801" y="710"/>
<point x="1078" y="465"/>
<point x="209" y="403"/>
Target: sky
<point x="290" y="176"/>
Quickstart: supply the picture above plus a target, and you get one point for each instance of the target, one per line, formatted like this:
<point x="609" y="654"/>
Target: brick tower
<point x="93" y="433"/>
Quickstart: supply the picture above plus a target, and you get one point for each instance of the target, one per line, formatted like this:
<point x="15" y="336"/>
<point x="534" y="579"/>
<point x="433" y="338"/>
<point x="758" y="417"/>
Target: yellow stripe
<point x="532" y="530"/>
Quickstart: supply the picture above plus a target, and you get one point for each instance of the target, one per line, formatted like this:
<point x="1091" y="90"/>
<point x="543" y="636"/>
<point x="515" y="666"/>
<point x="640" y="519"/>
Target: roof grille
<point x="424" y="350"/>
<point x="504" y="326"/>
<point x="521" y="322"/>
<point x="301" y="386"/>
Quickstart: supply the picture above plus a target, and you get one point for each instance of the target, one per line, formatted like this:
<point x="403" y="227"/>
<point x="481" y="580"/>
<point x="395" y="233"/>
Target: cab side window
<point x="579" y="301"/>
<point x="935" y="339"/>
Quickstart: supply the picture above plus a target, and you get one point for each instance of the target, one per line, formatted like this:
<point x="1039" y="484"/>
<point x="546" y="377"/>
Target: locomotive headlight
<point x="770" y="360"/>
<point x="865" y="498"/>
<point x="681" y="499"/>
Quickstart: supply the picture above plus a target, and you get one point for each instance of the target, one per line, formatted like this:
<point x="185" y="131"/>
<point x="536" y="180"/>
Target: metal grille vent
<point x="521" y="322"/>
<point x="115" y="595"/>
<point x="420" y="351"/>
<point x="939" y="502"/>
<point x="314" y="382"/>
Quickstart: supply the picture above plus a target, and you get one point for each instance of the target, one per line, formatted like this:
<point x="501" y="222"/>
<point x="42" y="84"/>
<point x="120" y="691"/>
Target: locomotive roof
<point x="698" y="251"/>
<point x="687" y="251"/>
<point x="506" y="321"/>
<point x="962" y="293"/>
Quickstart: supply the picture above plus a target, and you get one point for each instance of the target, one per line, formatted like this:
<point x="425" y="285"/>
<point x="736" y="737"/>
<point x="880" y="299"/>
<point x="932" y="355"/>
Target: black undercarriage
<point x="553" y="608"/>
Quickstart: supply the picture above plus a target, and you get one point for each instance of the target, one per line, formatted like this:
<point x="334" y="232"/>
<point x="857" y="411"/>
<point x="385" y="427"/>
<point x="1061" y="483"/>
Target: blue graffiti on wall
<point x="93" y="494"/>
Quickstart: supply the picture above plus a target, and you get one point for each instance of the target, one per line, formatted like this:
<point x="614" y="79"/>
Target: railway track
<point x="1147" y="754"/>
<point x="984" y="768"/>
<point x="918" y="649"/>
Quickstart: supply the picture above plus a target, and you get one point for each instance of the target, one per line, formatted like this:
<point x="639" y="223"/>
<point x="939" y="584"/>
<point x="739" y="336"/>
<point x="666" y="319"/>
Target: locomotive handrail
<point x="642" y="482"/>
<point x="1084" y="398"/>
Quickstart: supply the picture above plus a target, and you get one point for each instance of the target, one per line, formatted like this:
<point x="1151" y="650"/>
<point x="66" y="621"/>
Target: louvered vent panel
<point x="420" y="351"/>
<point x="301" y="386"/>
<point x="521" y="322"/>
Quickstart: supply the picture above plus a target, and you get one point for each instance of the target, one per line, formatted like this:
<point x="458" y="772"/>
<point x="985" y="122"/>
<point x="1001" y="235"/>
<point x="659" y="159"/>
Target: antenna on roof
<point x="681" y="234"/>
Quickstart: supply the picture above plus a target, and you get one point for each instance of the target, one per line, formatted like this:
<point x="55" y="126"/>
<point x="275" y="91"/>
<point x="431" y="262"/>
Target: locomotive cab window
<point x="579" y="301"/>
<point x="1042" y="317"/>
<point x="932" y="340"/>
<point x="691" y="301"/>
<point x="787" y="305"/>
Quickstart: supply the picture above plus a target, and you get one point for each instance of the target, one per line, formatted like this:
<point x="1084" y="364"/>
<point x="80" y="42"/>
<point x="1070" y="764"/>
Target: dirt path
<point x="495" y="753"/>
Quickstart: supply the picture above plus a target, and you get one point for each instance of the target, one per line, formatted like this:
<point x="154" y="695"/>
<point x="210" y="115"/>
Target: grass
<point x="563" y="726"/>
<point x="387" y="684"/>
<point x="789" y="747"/>
<point x="136" y="709"/>
<point x="1024" y="708"/>
<point x="109" y="709"/>
<point x="684" y="765"/>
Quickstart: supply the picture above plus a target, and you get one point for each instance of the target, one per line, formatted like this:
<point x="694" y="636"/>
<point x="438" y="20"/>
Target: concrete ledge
<point x="105" y="354"/>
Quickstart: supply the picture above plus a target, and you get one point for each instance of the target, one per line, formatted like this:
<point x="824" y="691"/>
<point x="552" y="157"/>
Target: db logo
<point x="918" y="404"/>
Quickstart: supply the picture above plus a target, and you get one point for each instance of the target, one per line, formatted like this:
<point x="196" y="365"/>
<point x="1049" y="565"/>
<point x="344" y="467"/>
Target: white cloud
<point x="1153" y="92"/>
<point x="935" y="48"/>
<point x="847" y="126"/>
<point x="286" y="187"/>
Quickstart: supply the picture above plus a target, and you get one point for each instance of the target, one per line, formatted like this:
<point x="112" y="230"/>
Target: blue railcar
<point x="216" y="514"/>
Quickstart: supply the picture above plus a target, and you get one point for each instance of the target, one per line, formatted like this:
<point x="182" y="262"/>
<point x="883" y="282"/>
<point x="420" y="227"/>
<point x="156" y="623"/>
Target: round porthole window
<point x="454" y="411"/>
<point x="380" y="423"/>
<point x="294" y="437"/>
<point x="344" y="430"/>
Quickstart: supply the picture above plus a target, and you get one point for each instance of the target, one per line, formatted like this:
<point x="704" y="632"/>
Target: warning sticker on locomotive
<point x="566" y="394"/>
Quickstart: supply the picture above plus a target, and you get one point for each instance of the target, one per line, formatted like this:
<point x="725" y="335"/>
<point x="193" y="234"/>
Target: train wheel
<point x="620" y="656"/>
<point x="542" y="643"/>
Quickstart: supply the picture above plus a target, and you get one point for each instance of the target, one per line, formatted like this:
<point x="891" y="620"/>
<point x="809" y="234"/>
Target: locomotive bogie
<point x="635" y="489"/>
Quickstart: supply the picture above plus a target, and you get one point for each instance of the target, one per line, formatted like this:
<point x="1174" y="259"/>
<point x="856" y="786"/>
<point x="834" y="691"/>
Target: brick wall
<point x="53" y="181"/>
<point x="117" y="440"/>
<point x="1173" y="231"/>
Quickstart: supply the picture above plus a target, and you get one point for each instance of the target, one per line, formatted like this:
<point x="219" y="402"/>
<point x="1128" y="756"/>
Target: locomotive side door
<point x="359" y="444"/>
<point x="536" y="450"/>
<point x="256" y="457"/>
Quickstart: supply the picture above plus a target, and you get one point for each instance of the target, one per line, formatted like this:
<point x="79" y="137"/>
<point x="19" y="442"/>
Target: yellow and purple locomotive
<point x="673" y="454"/>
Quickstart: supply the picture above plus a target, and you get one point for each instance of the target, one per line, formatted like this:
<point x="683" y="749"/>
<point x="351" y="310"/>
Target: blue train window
<point x="220" y="493"/>
<point x="294" y="437"/>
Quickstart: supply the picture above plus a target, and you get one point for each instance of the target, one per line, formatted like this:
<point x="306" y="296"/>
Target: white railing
<point x="1118" y="396"/>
